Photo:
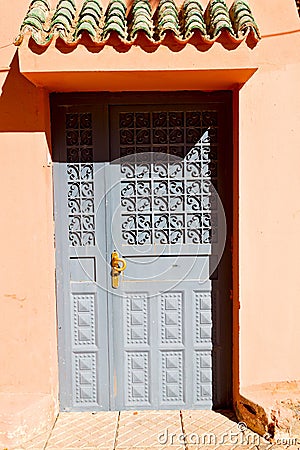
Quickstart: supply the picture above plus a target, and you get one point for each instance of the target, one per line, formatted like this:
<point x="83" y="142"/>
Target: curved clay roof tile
<point x="193" y="18"/>
<point x="141" y="19"/>
<point x="115" y="19"/>
<point x="218" y="18"/>
<point x="242" y="18"/>
<point x="176" y="27"/>
<point x="89" y="18"/>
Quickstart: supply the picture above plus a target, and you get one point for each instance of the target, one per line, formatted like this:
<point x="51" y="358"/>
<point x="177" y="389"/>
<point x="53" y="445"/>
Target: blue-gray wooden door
<point x="136" y="178"/>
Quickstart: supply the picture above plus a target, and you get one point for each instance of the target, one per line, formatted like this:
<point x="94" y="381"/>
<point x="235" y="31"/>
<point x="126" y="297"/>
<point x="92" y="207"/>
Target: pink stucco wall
<point x="28" y="348"/>
<point x="270" y="222"/>
<point x="269" y="253"/>
<point x="267" y="207"/>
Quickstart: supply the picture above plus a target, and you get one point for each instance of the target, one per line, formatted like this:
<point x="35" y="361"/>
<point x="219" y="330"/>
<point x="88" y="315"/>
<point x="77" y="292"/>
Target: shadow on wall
<point x="23" y="107"/>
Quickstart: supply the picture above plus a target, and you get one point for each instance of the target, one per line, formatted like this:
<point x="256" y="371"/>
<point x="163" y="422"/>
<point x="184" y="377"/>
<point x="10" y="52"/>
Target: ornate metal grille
<point x="80" y="173"/>
<point x="168" y="200"/>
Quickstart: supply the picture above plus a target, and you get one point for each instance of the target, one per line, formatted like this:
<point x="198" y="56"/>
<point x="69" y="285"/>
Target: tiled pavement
<point x="140" y="430"/>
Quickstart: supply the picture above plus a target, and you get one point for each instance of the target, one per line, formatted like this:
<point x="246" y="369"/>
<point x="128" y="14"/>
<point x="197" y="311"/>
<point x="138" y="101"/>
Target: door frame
<point x="143" y="98"/>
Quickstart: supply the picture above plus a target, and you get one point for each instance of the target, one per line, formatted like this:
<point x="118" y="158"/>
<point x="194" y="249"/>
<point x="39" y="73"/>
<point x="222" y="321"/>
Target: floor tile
<point x="148" y="429"/>
<point x="216" y="430"/>
<point x="141" y="430"/>
<point x="84" y="430"/>
<point x="38" y="443"/>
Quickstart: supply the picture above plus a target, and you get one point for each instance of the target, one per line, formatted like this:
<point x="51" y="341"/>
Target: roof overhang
<point x="137" y="45"/>
<point x="109" y="70"/>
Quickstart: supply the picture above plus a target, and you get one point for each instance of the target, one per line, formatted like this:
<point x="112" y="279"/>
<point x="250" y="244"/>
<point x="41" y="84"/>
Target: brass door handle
<point x="115" y="261"/>
<point x="116" y="269"/>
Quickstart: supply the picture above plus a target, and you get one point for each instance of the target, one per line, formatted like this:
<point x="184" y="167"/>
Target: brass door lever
<point x="116" y="269"/>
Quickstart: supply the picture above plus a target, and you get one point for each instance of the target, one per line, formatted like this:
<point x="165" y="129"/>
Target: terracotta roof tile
<point x="193" y="18"/>
<point x="241" y="17"/>
<point x="115" y="19"/>
<point x="89" y="19"/>
<point x="36" y="16"/>
<point x="63" y="17"/>
<point x="217" y="16"/>
<point x="167" y="19"/>
<point x="121" y="26"/>
<point x="140" y="19"/>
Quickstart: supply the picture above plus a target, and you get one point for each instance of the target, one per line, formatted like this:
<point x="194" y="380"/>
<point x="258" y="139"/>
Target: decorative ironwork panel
<point x="84" y="319"/>
<point x="167" y="200"/>
<point x="80" y="173"/>
<point x="136" y="313"/>
<point x="171" y="318"/>
<point x="203" y="376"/>
<point x="85" y="376"/>
<point x="137" y="377"/>
<point x="172" y="376"/>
